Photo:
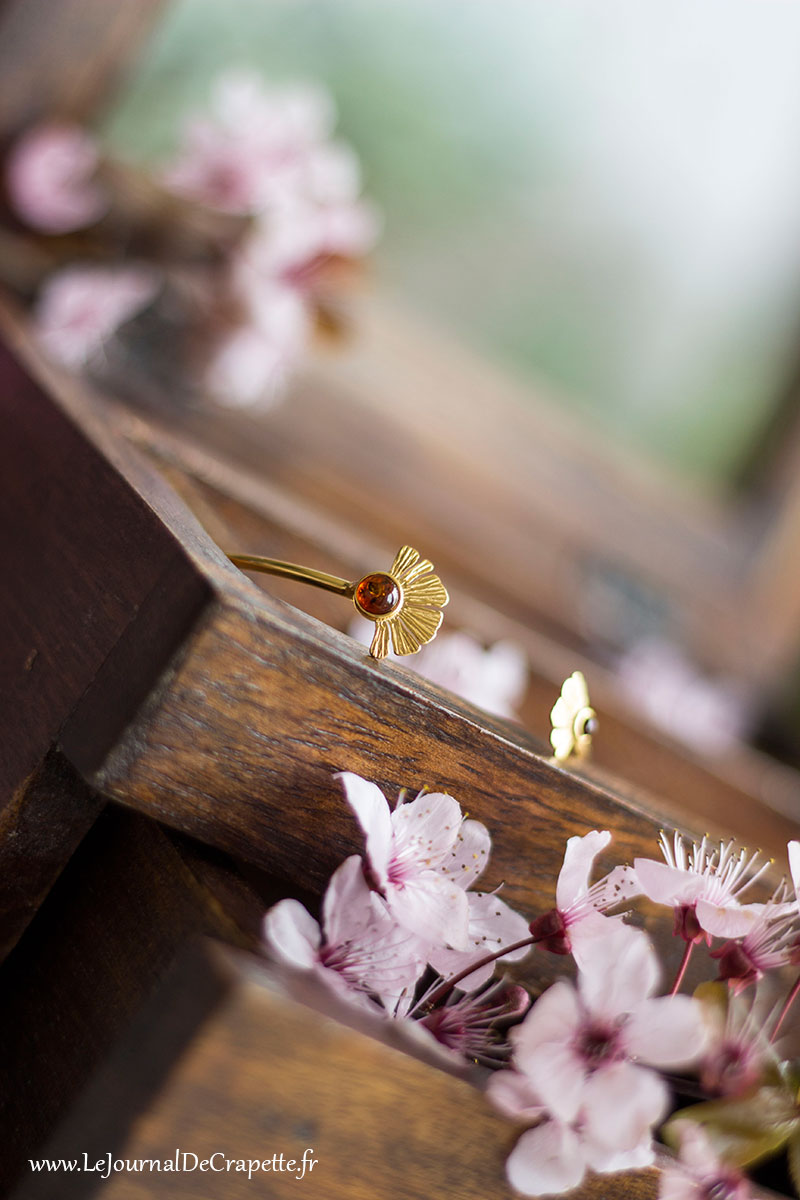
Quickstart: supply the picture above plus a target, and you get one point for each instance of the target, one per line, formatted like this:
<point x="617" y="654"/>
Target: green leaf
<point x="745" y="1129"/>
<point x="713" y="996"/>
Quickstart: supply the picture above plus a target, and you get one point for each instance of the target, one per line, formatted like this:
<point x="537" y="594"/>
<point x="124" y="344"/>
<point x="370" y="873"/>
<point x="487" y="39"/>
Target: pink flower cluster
<point x="583" y="1066"/>
<point x="406" y="907"/>
<point x="270" y="154"/>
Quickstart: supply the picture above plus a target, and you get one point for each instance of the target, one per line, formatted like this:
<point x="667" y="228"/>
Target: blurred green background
<point x="603" y="196"/>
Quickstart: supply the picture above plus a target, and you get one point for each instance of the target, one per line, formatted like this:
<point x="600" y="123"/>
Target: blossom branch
<point x="447" y="986"/>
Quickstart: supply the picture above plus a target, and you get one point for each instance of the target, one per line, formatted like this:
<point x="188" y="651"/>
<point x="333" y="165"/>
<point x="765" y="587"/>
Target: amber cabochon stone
<point x="377" y="595"/>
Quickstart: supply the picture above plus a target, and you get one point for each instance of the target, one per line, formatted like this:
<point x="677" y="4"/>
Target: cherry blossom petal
<point x="79" y="308"/>
<point x="433" y="908"/>
<point x="555" y="1017"/>
<point x="621" y="1103"/>
<point x="546" y="1161"/>
<point x="426" y="829"/>
<point x="793" y="850"/>
<point x="514" y="1095"/>
<point x="731" y="921"/>
<point x="248" y="370"/>
<point x="544" y="1052"/>
<point x="618" y="970"/>
<point x="607" y="1162"/>
<point x="292" y="934"/>
<point x="668" y="885"/>
<point x="558" y="1075"/>
<point x="573" y="878"/>
<point x="372" y="813"/>
<point x="49" y="179"/>
<point x="469" y="855"/>
<point x="347" y="909"/>
<point x="668" y="1031"/>
<point x="585" y="935"/>
<point x="492" y="924"/>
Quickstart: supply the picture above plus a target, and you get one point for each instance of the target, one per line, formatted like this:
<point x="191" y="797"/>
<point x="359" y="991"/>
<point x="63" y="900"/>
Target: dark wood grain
<point x="741" y="793"/>
<point x="95" y="594"/>
<point x="507" y="490"/>
<point x="239" y="744"/>
<point x="264" y="1075"/>
<point x="109" y="930"/>
<point x="39" y="828"/>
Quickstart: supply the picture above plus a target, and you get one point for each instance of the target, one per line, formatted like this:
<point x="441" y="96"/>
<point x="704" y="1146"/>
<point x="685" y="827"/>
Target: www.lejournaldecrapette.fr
<point x="183" y="1161"/>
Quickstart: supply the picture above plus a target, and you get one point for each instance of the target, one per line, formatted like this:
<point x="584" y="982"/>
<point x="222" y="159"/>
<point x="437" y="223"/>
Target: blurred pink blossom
<point x="495" y="678"/>
<point x="252" y="365"/>
<point x="291" y="244"/>
<point x="80" y="308"/>
<point x="554" y="1157"/>
<point x="699" y="1174"/>
<point x="706" y="714"/>
<point x="739" y="1048"/>
<point x="584" y="1056"/>
<point x="260" y="149"/>
<point x="49" y="179"/>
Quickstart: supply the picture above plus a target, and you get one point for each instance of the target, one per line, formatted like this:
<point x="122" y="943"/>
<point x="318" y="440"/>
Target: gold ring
<point x="405" y="602"/>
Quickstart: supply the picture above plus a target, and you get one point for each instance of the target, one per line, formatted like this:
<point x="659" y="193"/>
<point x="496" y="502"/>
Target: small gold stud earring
<point x="405" y="602"/>
<point x="573" y="720"/>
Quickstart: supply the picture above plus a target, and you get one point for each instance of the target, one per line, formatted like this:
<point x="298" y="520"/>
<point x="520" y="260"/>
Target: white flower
<point x="703" y="884"/>
<point x="580" y="906"/>
<point x="414" y="856"/>
<point x="360" y="948"/>
<point x="584" y="1055"/>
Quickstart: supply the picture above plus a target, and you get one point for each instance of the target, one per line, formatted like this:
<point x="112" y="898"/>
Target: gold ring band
<point x="404" y="602"/>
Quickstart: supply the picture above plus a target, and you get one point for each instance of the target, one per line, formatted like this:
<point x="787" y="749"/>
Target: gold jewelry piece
<point x="573" y="719"/>
<point x="405" y="602"/>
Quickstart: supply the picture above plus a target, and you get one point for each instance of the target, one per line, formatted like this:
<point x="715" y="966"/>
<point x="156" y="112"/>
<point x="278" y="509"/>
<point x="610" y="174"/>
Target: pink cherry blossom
<point x="259" y="149"/>
<point x="291" y="245"/>
<point x="471" y="1026"/>
<point x="579" y="910"/>
<point x="492" y="925"/>
<point x="49" y="179"/>
<point x="703" y="885"/>
<point x="494" y="678"/>
<point x="360" y="949"/>
<point x="710" y="715"/>
<point x="586" y="1051"/>
<point x="739" y="1049"/>
<point x="554" y="1157"/>
<point x="80" y="308"/>
<point x="699" y="1174"/>
<point x="422" y="856"/>
<point x="771" y="942"/>
<point x="251" y="367"/>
